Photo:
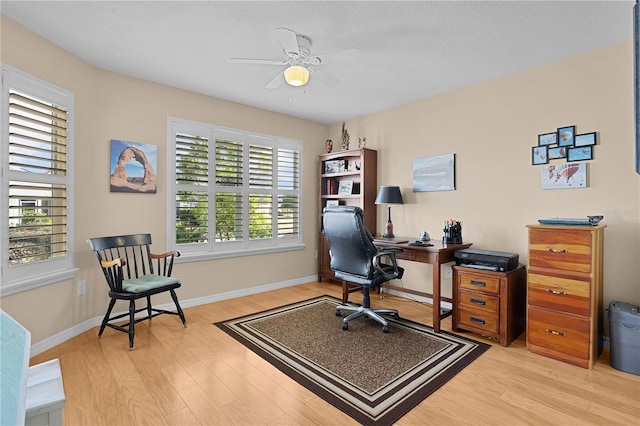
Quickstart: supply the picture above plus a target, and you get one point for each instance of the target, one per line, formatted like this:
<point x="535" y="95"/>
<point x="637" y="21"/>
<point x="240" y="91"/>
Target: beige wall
<point x="491" y="128"/>
<point x="111" y="106"/>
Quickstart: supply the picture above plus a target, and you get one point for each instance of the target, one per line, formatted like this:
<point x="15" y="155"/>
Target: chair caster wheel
<point x="385" y="329"/>
<point x="337" y="313"/>
<point x="345" y="326"/>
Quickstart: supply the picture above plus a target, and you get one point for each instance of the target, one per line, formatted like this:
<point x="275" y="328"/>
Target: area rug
<point x="372" y="376"/>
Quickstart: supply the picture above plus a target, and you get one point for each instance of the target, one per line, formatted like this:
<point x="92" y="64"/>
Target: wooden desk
<point x="436" y="255"/>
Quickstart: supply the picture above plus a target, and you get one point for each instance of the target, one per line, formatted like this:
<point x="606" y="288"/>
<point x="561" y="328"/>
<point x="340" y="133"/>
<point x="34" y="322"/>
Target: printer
<point x="487" y="260"/>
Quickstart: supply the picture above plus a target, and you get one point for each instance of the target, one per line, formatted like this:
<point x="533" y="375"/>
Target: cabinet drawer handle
<point x="479" y="283"/>
<point x="556" y="292"/>
<point x="478" y="302"/>
<point x="555" y="333"/>
<point x="477" y="320"/>
<point x="552" y="250"/>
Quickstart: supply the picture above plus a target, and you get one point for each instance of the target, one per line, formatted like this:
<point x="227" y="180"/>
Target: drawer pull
<point x="555" y="333"/>
<point x="556" y="292"/>
<point x="477" y="302"/>
<point x="552" y="250"/>
<point x="478" y="283"/>
<point x="477" y="320"/>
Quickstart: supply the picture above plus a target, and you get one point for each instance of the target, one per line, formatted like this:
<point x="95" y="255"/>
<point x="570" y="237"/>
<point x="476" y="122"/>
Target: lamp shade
<point x="296" y="75"/>
<point x="389" y="195"/>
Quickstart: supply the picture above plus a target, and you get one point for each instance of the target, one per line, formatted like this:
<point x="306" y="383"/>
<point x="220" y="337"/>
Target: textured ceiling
<point x="409" y="50"/>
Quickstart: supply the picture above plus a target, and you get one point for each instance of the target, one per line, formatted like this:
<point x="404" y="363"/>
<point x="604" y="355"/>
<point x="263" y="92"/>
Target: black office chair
<point x="127" y="263"/>
<point x="355" y="259"/>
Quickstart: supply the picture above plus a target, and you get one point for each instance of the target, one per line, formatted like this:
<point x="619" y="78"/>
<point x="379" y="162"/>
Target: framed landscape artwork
<point x="435" y="173"/>
<point x="133" y="167"/>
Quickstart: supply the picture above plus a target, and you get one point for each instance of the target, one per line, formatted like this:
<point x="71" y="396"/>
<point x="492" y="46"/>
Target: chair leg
<point x="132" y="321"/>
<point x="105" y="320"/>
<point x="149" y="307"/>
<point x="178" y="308"/>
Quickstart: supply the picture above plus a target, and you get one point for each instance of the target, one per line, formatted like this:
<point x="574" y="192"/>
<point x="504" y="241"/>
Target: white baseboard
<point x="80" y="328"/>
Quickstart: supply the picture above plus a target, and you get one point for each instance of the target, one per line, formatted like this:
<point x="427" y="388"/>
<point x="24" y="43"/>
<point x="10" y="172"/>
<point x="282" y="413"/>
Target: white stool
<point x="45" y="394"/>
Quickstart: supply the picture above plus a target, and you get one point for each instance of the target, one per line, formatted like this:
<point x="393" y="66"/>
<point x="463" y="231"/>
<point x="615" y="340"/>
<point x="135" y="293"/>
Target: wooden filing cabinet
<point x="564" y="293"/>
<point x="490" y="303"/>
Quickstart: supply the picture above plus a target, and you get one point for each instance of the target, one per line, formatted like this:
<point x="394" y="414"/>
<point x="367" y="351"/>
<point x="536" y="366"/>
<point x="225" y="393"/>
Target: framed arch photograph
<point x="133" y="167"/>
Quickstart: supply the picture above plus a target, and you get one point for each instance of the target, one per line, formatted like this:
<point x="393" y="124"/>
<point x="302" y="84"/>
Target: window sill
<point x="197" y="257"/>
<point x="33" y="282"/>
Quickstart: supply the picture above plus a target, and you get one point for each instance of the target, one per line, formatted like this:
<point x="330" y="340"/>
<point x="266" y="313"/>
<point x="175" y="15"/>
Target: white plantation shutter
<point x="254" y="201"/>
<point x="37" y="182"/>
<point x="229" y="190"/>
<point x="192" y="181"/>
<point x="288" y="187"/>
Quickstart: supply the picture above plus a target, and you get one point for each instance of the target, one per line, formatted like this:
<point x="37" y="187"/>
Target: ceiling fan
<point x="299" y="62"/>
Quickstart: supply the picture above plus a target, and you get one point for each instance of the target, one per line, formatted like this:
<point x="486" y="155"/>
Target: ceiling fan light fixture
<point x="296" y="75"/>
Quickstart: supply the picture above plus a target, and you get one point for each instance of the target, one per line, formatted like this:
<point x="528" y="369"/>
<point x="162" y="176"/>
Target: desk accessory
<point x="452" y="232"/>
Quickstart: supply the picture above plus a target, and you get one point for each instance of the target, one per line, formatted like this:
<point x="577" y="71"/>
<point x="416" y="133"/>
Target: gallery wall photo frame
<point x="556" y="152"/>
<point x="566" y="135"/>
<point x="585" y="139"/>
<point x="539" y="155"/>
<point x="581" y="153"/>
<point x="548" y="139"/>
<point x="133" y="167"/>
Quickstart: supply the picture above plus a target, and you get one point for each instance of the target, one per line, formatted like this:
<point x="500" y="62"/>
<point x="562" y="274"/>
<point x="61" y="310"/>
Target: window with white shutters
<point x="37" y="183"/>
<point x="233" y="192"/>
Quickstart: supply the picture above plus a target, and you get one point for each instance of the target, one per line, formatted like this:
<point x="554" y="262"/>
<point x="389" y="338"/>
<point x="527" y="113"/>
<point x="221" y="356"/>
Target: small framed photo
<point x="345" y="187"/>
<point x="566" y="135"/>
<point x="539" y="155"/>
<point x="555" y="153"/>
<point x="548" y="139"/>
<point x="585" y="139"/>
<point x="333" y="203"/>
<point x="581" y="153"/>
<point x="334" y="166"/>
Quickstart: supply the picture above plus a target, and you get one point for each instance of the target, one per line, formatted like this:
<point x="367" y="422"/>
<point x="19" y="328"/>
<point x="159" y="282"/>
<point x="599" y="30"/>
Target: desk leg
<point x="436" y="297"/>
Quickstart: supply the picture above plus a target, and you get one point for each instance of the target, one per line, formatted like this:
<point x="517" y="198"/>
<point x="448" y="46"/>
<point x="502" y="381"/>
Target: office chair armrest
<point x="391" y="249"/>
<point x="391" y="254"/>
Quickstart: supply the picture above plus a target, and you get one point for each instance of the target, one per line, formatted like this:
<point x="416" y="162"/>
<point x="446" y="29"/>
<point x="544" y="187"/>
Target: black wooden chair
<point x="355" y="259"/>
<point x="128" y="266"/>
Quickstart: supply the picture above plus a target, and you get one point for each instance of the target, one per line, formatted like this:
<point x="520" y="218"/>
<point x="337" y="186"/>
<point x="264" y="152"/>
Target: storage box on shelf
<point x="346" y="178"/>
<point x="490" y="303"/>
<point x="564" y="293"/>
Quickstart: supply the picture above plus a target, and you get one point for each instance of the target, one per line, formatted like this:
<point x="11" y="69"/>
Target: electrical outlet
<point x="448" y="272"/>
<point x="81" y="287"/>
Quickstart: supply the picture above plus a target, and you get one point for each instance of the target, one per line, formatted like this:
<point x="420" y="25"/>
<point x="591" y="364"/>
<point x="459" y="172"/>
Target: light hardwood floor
<point x="199" y="375"/>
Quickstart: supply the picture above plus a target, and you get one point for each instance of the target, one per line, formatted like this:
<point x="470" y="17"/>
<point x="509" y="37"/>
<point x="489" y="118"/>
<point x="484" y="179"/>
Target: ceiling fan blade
<point x="324" y="77"/>
<point x="348" y="55"/>
<point x="255" y="61"/>
<point x="288" y="40"/>
<point x="276" y="82"/>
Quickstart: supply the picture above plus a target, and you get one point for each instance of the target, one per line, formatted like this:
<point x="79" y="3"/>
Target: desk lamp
<point x="389" y="195"/>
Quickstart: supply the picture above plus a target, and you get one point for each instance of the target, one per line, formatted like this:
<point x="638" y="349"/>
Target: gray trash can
<point x="624" y="327"/>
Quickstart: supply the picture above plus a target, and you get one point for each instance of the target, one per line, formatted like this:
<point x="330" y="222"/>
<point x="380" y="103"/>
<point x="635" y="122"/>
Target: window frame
<point x="19" y="278"/>
<point x="213" y="249"/>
